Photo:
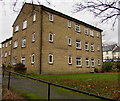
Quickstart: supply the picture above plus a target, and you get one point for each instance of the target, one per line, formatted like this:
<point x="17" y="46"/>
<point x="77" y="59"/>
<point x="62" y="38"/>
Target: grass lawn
<point x="103" y="84"/>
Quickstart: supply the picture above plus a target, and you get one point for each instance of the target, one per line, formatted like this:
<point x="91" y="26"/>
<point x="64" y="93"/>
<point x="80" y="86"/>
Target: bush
<point x="96" y="70"/>
<point x="107" y="66"/>
<point x="20" y="68"/>
<point x="9" y="67"/>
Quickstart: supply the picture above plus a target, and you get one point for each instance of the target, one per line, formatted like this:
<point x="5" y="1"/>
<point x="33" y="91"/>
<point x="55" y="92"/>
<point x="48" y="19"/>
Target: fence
<point x="49" y="86"/>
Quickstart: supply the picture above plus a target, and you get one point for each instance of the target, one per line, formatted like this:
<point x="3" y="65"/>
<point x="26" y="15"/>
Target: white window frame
<point x="34" y="17"/>
<point x="86" y="44"/>
<point x="6" y="44"/>
<point x="98" y="62"/>
<point x="78" y="59"/>
<point x="50" y="62"/>
<point x="23" y="42"/>
<point x="32" y="58"/>
<point x="78" y="42"/>
<point x="77" y="27"/>
<point x="5" y="54"/>
<point x="16" y="28"/>
<point x="10" y="42"/>
<point x="69" y="23"/>
<point x="33" y="37"/>
<point x="14" y="60"/>
<point x="24" y="24"/>
<point x="91" y="33"/>
<point x="15" y="44"/>
<point x="23" y="60"/>
<point x="9" y="53"/>
<point x="70" y="57"/>
<point x="93" y="61"/>
<point x="50" y="35"/>
<point x="87" y="61"/>
<point x="98" y="47"/>
<point x="86" y="31"/>
<point x="92" y="47"/>
<point x="97" y="34"/>
<point x="51" y="17"/>
<point x="69" y="41"/>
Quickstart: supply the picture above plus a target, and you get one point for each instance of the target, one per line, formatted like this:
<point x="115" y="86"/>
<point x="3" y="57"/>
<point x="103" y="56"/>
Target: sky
<point x="8" y="16"/>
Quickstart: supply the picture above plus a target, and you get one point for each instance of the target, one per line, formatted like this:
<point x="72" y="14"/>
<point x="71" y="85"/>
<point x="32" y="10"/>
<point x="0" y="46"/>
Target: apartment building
<point x="6" y="51"/>
<point x="50" y="42"/>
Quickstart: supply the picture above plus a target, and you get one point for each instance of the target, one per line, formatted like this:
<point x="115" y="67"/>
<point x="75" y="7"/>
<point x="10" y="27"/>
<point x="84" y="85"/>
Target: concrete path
<point x="23" y="86"/>
<point x="0" y="84"/>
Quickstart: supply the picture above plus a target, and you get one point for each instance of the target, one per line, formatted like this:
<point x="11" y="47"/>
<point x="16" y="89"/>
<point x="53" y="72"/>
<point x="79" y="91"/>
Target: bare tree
<point x="104" y="9"/>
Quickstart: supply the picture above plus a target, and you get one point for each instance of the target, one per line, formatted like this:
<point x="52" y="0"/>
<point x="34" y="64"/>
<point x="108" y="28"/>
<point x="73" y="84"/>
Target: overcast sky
<point x="7" y="17"/>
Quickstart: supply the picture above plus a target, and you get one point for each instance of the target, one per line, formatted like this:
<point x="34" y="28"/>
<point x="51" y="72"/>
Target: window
<point x="6" y="45"/>
<point x="98" y="47"/>
<point x="86" y="31"/>
<point x="33" y="58"/>
<point x="92" y="62"/>
<point x="86" y="46"/>
<point x="3" y="45"/>
<point x="23" y="42"/>
<point x="50" y="37"/>
<point x="10" y="42"/>
<point x="69" y="23"/>
<point x="34" y="17"/>
<point x="15" y="44"/>
<point x="78" y="62"/>
<point x="78" y="44"/>
<point x="33" y="37"/>
<point x="69" y="41"/>
<point x="77" y="28"/>
<point x="91" y="33"/>
<point x="92" y="47"/>
<point x="2" y="55"/>
<point x="14" y="60"/>
<point x="25" y="24"/>
<point x="69" y="60"/>
<point x="50" y="59"/>
<point x="5" y="54"/>
<point x="51" y="17"/>
<point x="87" y="62"/>
<point x="9" y="53"/>
<point x="97" y="34"/>
<point x="106" y="52"/>
<point x="16" y="28"/>
<point x="23" y="60"/>
<point x="98" y="61"/>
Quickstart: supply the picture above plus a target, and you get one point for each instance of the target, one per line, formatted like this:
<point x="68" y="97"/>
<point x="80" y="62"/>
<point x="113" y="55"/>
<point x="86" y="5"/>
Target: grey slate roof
<point x="108" y="47"/>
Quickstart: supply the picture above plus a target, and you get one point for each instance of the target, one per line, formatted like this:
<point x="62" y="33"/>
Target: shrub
<point x="9" y="67"/>
<point x="96" y="70"/>
<point x="20" y="68"/>
<point x="107" y="66"/>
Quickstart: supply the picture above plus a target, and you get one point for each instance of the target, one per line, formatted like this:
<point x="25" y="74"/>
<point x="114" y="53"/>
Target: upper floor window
<point x="87" y="62"/>
<point x="24" y="24"/>
<point x="16" y="28"/>
<point x="50" y="37"/>
<point x="15" y="44"/>
<point x="78" y="61"/>
<point x="23" y="42"/>
<point x="78" y="44"/>
<point x="92" y="47"/>
<point x="97" y="34"/>
<point x="50" y="17"/>
<point x="69" y="41"/>
<point x="34" y="17"/>
<point x="69" y="23"/>
<point x="23" y="60"/>
<point x="6" y="45"/>
<point x="86" y="31"/>
<point x="98" y="61"/>
<point x="91" y="33"/>
<point x="33" y="58"/>
<point x="33" y="37"/>
<point x="86" y="46"/>
<point x="69" y="60"/>
<point x="77" y="27"/>
<point x="92" y="62"/>
<point x="9" y="53"/>
<point x="5" y="54"/>
<point x="10" y="42"/>
<point x="98" y="47"/>
<point x="3" y="46"/>
<point x="50" y="59"/>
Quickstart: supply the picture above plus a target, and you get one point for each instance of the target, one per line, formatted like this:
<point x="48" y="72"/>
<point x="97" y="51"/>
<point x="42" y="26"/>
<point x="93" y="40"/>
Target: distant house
<point x="116" y="54"/>
<point x="110" y="52"/>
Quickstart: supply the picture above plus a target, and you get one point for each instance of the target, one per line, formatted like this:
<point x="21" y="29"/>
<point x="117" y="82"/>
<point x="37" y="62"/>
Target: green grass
<point x="103" y="84"/>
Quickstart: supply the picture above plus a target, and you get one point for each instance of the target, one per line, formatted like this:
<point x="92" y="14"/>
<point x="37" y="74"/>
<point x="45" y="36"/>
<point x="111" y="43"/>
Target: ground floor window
<point x="78" y="61"/>
<point x="50" y="59"/>
<point x="23" y="60"/>
<point x="87" y="62"/>
<point x="69" y="60"/>
<point x="33" y="58"/>
<point x="92" y="62"/>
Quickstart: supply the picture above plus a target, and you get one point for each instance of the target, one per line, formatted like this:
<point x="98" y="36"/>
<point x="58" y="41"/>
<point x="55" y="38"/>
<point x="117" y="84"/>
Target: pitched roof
<point x="62" y="15"/>
<point x="108" y="47"/>
<point x="117" y="49"/>
<point x="6" y="40"/>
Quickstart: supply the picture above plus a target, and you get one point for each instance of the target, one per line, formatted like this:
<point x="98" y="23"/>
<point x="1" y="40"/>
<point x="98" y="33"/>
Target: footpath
<point x="39" y="90"/>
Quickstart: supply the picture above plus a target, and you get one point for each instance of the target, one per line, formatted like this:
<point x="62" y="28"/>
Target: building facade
<point x="49" y="42"/>
<point x="6" y="51"/>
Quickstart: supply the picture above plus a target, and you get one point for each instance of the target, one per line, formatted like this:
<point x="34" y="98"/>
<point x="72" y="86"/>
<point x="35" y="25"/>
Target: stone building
<point x="50" y="42"/>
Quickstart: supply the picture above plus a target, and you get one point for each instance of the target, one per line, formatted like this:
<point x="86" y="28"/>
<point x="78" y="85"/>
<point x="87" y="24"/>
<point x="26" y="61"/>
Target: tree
<point x="104" y="9"/>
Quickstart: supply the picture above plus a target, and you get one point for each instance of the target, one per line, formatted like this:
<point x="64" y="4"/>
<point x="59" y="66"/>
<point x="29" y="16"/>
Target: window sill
<point x="34" y="21"/>
<point x="14" y="47"/>
<point x="24" y="29"/>
<point x="50" y="41"/>
<point x="69" y="63"/>
<point x="51" y="21"/>
<point x="69" y="45"/>
<point x="92" y="50"/>
<point x="87" y="66"/>
<point x="86" y="49"/>
<point x="50" y="63"/>
<point x="93" y="67"/>
<point x="23" y="47"/>
<point x="78" y="49"/>
<point x="16" y="31"/>
<point x="32" y="63"/>
<point x="33" y="41"/>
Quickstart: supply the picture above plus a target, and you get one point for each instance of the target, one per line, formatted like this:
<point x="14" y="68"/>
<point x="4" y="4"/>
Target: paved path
<point x="23" y="85"/>
<point x="0" y="84"/>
